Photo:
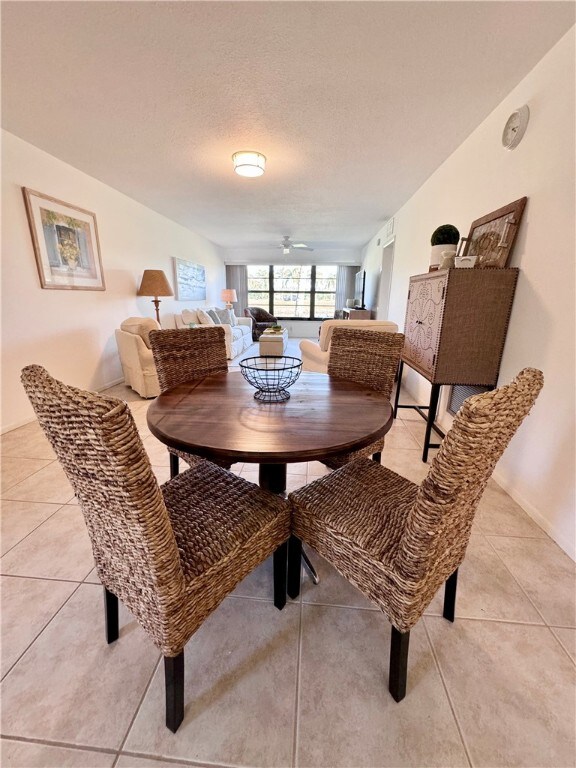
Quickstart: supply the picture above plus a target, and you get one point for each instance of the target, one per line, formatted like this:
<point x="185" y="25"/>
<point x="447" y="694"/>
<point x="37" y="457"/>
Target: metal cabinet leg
<point x="398" y="385"/>
<point x="434" y="396"/>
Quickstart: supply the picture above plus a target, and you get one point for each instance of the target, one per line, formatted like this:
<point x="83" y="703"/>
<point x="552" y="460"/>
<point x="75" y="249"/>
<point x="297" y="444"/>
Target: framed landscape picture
<point x="66" y="246"/>
<point x="190" y="281"/>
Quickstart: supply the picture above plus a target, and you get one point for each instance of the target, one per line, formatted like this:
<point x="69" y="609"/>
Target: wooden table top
<point x="218" y="417"/>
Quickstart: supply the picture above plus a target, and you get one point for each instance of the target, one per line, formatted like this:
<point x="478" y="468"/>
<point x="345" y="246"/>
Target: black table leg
<point x="272" y="477"/>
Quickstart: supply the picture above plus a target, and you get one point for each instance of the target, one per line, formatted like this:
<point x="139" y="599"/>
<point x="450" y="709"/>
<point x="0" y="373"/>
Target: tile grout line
<point x="174" y="760"/>
<point x="61" y="744"/>
<point x="525" y="593"/>
<point x="42" y="630"/>
<point x="52" y="578"/>
<point x="4" y="490"/>
<point x="561" y="644"/>
<point x="295" y="734"/>
<point x="137" y="710"/>
<point x="515" y="536"/>
<point x="450" y="702"/>
<point x="59" y="507"/>
<point x="486" y="619"/>
<point x="35" y="501"/>
<point x="546" y="624"/>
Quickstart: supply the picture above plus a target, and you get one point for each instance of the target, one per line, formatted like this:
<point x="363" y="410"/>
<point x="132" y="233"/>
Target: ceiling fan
<point x="287" y="246"/>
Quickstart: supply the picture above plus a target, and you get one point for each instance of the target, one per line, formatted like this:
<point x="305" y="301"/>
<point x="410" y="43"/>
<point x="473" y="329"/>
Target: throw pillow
<point x="204" y="318"/>
<point x="225" y="316"/>
<point x="189" y="316"/>
<point x="233" y="318"/>
<point x="214" y="317"/>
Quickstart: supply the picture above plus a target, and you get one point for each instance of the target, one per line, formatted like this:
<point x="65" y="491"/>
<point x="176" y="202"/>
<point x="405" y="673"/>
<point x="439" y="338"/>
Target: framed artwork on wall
<point x="66" y="245"/>
<point x="190" y="280"/>
<point x="492" y="237"/>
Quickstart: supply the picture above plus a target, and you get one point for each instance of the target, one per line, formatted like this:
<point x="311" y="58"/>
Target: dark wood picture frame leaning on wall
<point x="492" y="237"/>
<point x="66" y="245"/>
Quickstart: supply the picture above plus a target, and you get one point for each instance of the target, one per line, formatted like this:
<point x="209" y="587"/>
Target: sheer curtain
<point x="237" y="278"/>
<point x="345" y="277"/>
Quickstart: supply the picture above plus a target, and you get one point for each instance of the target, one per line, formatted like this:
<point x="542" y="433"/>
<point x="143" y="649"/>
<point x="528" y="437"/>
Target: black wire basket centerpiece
<point x="271" y="376"/>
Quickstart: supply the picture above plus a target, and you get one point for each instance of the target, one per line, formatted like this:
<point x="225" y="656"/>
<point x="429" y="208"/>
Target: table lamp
<point x="154" y="283"/>
<point x="228" y="295"/>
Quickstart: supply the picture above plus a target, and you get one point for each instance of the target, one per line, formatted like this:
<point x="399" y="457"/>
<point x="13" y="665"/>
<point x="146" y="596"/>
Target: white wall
<point x="71" y="333"/>
<point x="481" y="176"/>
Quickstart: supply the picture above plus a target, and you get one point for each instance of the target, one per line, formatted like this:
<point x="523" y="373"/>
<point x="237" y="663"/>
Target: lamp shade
<point x="228" y="295"/>
<point x="249" y="163"/>
<point x="154" y="283"/>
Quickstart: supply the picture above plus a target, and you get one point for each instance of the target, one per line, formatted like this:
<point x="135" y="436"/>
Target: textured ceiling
<point x="354" y="104"/>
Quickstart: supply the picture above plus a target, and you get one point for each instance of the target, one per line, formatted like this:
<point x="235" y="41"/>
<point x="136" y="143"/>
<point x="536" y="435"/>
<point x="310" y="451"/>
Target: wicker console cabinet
<point x="455" y="329"/>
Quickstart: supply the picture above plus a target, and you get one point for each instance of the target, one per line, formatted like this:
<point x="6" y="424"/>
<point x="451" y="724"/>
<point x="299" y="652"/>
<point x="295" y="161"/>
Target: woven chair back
<point x="367" y="357"/>
<point x="438" y="526"/>
<point x="97" y="444"/>
<point x="188" y="354"/>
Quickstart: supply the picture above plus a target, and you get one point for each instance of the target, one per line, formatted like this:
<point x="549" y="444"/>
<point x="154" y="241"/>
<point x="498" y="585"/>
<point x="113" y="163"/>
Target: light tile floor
<point x="303" y="687"/>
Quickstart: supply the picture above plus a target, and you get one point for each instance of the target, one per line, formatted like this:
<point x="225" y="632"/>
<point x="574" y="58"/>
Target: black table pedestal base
<point x="272" y="477"/>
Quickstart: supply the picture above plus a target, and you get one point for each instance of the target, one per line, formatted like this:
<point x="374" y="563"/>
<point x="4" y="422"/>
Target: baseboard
<point x="30" y="419"/>
<point x="563" y="542"/>
<point x="16" y="424"/>
<point x="111" y="384"/>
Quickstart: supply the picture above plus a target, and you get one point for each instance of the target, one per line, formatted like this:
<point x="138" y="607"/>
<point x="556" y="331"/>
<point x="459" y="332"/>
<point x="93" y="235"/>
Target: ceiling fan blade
<point x="302" y="246"/>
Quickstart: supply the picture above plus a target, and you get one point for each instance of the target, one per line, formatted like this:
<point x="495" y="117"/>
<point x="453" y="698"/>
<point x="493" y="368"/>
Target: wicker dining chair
<point x="171" y="554"/>
<point x="398" y="542"/>
<point x="369" y="358"/>
<point x="185" y="355"/>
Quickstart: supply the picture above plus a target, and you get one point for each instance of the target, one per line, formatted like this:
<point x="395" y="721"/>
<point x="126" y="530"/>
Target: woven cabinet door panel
<point x="424" y="315"/>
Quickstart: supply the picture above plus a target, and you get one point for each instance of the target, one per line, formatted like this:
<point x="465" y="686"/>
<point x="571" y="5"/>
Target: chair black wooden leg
<point x="377" y="457"/>
<point x="398" y="664"/>
<point x="280" y="565"/>
<point x="174" y="465"/>
<point x="174" y="680"/>
<point x="450" y="596"/>
<point x="111" y="616"/>
<point x="294" y="565"/>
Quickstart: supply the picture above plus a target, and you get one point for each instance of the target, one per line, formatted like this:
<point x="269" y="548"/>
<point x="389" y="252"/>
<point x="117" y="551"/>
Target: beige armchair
<point x="136" y="357"/>
<point x="315" y="354"/>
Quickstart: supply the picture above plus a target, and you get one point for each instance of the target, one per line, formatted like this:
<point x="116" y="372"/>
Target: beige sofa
<point x="238" y="337"/>
<point x="315" y="355"/>
<point x="136" y="356"/>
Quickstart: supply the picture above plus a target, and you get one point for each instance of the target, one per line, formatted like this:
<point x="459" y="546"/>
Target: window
<point x="293" y="292"/>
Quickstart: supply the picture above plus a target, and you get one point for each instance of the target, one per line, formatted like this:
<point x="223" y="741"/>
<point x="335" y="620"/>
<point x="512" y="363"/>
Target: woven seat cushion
<point x="363" y="505"/>
<point x="215" y="514"/>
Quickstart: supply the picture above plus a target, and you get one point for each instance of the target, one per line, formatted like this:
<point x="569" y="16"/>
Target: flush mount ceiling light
<point x="249" y="163"/>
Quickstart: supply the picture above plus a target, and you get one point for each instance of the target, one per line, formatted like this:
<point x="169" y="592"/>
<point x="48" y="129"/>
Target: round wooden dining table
<point x="218" y="418"/>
